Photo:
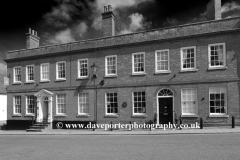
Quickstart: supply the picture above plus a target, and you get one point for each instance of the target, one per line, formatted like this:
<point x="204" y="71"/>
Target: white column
<point x="38" y="108"/>
<point x="50" y="109"/>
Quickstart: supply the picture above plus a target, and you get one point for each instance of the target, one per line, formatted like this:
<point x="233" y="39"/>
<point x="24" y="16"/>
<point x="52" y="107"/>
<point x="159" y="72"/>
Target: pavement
<point x="206" y="130"/>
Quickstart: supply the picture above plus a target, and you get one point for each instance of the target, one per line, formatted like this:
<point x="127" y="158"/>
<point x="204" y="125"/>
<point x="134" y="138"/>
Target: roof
<point x="162" y="34"/>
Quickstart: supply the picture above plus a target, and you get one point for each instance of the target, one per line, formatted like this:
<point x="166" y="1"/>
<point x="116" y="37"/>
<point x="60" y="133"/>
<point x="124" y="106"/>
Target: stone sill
<point x="110" y="76"/>
<point x="83" y="115"/>
<point x="59" y="80"/>
<point x="82" y="78"/>
<point x="29" y="115"/>
<point x="219" y="116"/>
<point x="44" y="81"/>
<point x="189" y="70"/>
<point x="17" y="115"/>
<point x="16" y="83"/>
<point x="29" y="82"/>
<point x="60" y="115"/>
<point x="139" y="116"/>
<point x="217" y="68"/>
<point x="139" y="74"/>
<point x="162" y="72"/>
<point x="192" y="116"/>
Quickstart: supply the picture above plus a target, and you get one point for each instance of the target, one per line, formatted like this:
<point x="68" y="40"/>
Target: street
<point x="111" y="147"/>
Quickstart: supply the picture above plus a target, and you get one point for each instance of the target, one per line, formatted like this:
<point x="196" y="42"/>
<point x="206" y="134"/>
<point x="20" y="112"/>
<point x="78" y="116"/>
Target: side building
<point x="189" y="71"/>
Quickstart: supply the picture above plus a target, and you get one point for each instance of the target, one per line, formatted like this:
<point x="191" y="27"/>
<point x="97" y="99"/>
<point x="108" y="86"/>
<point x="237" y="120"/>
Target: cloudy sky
<point x="62" y="21"/>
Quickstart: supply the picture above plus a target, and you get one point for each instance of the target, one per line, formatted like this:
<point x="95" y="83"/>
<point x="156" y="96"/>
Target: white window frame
<point x="106" y="65"/>
<point x="196" y="101"/>
<point x="27" y="73"/>
<point x="141" y="72"/>
<point x="14" y="105"/>
<point x="140" y="114"/>
<point x="195" y="59"/>
<point x="87" y="103"/>
<point x="27" y="113"/>
<point x="14" y="73"/>
<point x="79" y="75"/>
<point x="61" y="114"/>
<point x="57" y="76"/>
<point x="156" y="61"/>
<point x="41" y="73"/>
<point x="226" y="108"/>
<point x="106" y="103"/>
<point x="224" y="56"/>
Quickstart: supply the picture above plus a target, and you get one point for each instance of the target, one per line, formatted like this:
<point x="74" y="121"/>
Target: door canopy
<point x="43" y="93"/>
<point x="165" y="93"/>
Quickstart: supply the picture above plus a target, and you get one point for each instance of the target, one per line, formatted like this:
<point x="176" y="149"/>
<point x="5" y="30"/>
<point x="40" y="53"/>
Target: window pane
<point x="83" y="103"/>
<point x="139" y="102"/>
<point x="112" y="103"/>
<point x="217" y="102"/>
<point x="189" y="101"/>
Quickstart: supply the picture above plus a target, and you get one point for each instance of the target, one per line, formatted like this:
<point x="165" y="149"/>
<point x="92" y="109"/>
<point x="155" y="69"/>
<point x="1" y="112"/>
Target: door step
<point x="33" y="130"/>
<point x="38" y="127"/>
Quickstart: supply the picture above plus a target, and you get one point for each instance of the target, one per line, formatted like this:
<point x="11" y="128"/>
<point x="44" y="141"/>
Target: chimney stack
<point x="32" y="39"/>
<point x="214" y="10"/>
<point x="108" y="22"/>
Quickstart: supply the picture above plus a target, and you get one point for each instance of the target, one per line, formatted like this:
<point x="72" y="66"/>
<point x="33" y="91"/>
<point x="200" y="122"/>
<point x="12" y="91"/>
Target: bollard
<point x="150" y="125"/>
<point x="201" y="123"/>
<point x="111" y="126"/>
<point x="180" y="123"/>
<point x="130" y="126"/>
<point x="233" y="122"/>
<point x="94" y="125"/>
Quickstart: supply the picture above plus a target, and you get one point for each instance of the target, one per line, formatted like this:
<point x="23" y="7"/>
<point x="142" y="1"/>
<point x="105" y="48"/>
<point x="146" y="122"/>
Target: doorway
<point x="165" y="112"/>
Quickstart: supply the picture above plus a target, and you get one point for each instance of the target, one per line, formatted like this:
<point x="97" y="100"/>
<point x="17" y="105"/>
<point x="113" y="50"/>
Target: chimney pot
<point x="32" y="39"/>
<point x="108" y="22"/>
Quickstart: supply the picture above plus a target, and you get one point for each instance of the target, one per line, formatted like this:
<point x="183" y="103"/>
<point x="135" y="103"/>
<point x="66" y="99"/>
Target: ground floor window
<point x="30" y="104"/>
<point x="17" y="104"/>
<point x="83" y="103"/>
<point x="111" y="103"/>
<point x="61" y="103"/>
<point x="189" y="101"/>
<point x="217" y="100"/>
<point x="139" y="103"/>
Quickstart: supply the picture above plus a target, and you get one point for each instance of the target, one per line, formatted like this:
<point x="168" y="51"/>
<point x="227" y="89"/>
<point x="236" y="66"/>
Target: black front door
<point x="165" y="110"/>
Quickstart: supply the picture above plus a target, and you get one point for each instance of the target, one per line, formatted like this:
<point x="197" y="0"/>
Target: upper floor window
<point x="162" y="61"/>
<point x="83" y="103"/>
<point x="61" y="103"/>
<point x="82" y="68"/>
<point x="217" y="55"/>
<point x="45" y="72"/>
<point x="218" y="100"/>
<point x="110" y="65"/>
<point x="17" y="109"/>
<point x="30" y="104"/>
<point x="61" y="70"/>
<point x="16" y="74"/>
<point x="138" y="63"/>
<point x="111" y="103"/>
<point x="189" y="101"/>
<point x="139" y="103"/>
<point x="30" y="73"/>
<point x="188" y="58"/>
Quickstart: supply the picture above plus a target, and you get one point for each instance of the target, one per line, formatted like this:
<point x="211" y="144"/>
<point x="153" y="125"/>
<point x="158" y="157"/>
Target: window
<point x="188" y="58"/>
<point x="111" y="65"/>
<point x="61" y="103"/>
<point x="217" y="100"/>
<point x="29" y="73"/>
<point x="17" y="105"/>
<point x="217" y="55"/>
<point x="30" y="104"/>
<point x="61" y="70"/>
<point x="16" y="74"/>
<point x="45" y="72"/>
<point x="162" y="61"/>
<point x="138" y="63"/>
<point x="111" y="103"/>
<point x="189" y="102"/>
<point x="139" y="103"/>
<point x="82" y="68"/>
<point x="83" y="103"/>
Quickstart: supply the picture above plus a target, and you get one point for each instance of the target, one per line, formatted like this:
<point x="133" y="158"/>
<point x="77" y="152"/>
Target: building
<point x="3" y="100"/>
<point x="189" y="71"/>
